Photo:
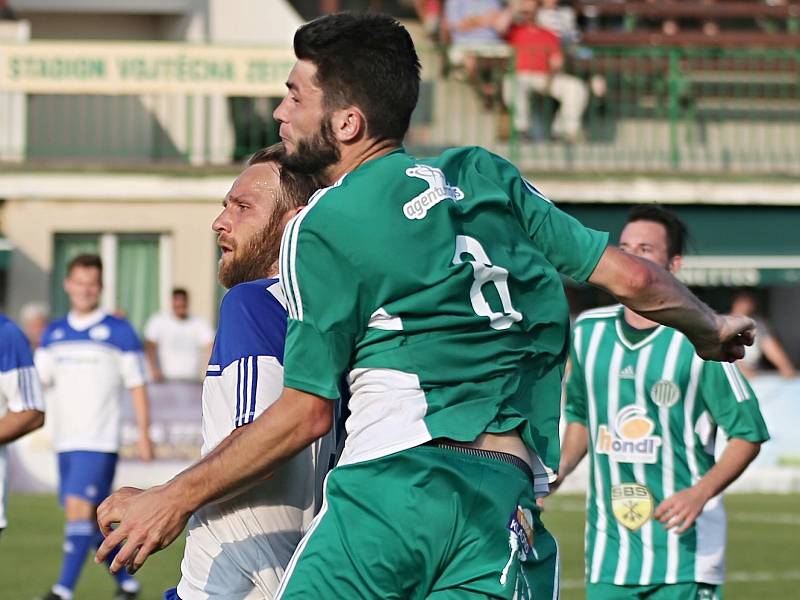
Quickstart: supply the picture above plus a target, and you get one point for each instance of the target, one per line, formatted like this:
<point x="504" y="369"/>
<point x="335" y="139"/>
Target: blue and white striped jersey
<point x="238" y="547"/>
<point x="245" y="372"/>
<point x="20" y="389"/>
<point x="19" y="384"/>
<point x="87" y="361"/>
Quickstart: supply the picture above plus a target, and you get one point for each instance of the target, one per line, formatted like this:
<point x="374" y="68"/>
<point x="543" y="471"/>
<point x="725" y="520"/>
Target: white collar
<point x="83" y="322"/>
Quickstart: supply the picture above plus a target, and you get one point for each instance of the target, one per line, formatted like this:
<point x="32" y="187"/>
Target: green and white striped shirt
<point x="652" y="409"/>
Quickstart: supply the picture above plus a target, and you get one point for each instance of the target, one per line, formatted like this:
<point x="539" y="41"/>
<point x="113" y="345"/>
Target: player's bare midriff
<point x="509" y="442"/>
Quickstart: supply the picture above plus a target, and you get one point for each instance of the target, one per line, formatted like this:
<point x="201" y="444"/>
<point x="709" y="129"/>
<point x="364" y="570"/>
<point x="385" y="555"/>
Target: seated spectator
<point x="539" y="63"/>
<point x="177" y="344"/>
<point x="766" y="345"/>
<point x="33" y="320"/>
<point x="560" y="20"/>
<point x="469" y="27"/>
<point x="429" y="13"/>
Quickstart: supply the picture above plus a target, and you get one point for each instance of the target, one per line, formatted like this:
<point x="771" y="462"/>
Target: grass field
<point x="763" y="550"/>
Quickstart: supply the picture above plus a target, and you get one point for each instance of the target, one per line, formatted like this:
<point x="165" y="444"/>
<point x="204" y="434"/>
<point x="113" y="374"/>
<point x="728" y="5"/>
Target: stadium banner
<point x="175" y="415"/>
<point x="177" y="436"/>
<point x="51" y="67"/>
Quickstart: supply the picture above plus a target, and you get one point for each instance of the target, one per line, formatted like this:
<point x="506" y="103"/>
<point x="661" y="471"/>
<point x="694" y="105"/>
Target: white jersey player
<point x="239" y="546"/>
<point x="21" y="404"/>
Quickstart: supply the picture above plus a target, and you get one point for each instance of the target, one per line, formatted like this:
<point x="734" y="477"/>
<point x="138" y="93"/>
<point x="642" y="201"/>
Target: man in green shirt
<point x="646" y="409"/>
<point x="433" y="286"/>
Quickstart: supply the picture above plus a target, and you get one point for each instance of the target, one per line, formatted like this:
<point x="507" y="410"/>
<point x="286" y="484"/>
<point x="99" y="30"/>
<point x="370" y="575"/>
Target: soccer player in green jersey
<point x="433" y="285"/>
<point x="646" y="409"/>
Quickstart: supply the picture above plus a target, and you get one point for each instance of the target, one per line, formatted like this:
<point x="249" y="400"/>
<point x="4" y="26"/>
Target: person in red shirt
<point x="539" y="62"/>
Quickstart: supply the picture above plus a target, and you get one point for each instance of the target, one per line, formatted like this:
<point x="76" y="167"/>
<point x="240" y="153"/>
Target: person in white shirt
<point x="21" y="403"/>
<point x="238" y="547"/>
<point x="177" y="344"/>
<point x="86" y="359"/>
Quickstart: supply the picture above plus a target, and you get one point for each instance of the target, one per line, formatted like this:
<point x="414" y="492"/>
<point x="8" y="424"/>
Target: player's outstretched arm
<point x="13" y="425"/>
<point x="653" y="292"/>
<point x="151" y="520"/>
<point x="682" y="508"/>
<point x="141" y="408"/>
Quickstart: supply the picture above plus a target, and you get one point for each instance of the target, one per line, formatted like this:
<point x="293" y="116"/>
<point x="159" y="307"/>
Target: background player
<point x="389" y="278"/>
<point x="21" y="403"/>
<point x="87" y="358"/>
<point x="239" y="547"/>
<point x="646" y="408"/>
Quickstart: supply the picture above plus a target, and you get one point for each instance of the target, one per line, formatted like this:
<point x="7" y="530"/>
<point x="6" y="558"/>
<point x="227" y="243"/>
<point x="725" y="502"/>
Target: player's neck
<point x="83" y="313"/>
<point x="356" y="155"/>
<point x="637" y="321"/>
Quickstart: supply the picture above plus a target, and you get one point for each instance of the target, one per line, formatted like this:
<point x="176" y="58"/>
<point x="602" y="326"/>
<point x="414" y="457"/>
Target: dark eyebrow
<point x="292" y="86"/>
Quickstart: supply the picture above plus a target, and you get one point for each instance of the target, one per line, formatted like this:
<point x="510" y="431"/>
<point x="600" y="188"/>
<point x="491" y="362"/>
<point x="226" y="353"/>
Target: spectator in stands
<point x="34" y="318"/>
<point x="539" y="64"/>
<point x="429" y="13"/>
<point x="469" y="27"/>
<point x="766" y="345"/>
<point x="177" y="344"/>
<point x="560" y="20"/>
<point x="6" y="14"/>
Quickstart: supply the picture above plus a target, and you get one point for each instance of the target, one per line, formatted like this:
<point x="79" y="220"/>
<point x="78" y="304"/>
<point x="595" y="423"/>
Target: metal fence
<point x="649" y="109"/>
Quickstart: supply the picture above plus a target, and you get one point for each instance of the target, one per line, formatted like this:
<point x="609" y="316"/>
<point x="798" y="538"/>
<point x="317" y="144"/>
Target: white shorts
<point x="238" y="549"/>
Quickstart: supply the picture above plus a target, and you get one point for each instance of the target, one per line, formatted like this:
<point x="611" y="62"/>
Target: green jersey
<point x="433" y="285"/>
<point x="652" y="409"/>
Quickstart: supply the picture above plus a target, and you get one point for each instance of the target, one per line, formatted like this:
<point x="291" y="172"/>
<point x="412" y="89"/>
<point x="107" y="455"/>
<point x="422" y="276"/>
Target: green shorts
<point x="662" y="591"/>
<point x="428" y="522"/>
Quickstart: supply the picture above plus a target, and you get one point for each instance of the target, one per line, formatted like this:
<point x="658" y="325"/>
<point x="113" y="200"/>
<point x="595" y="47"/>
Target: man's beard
<point x="313" y="155"/>
<point x="258" y="255"/>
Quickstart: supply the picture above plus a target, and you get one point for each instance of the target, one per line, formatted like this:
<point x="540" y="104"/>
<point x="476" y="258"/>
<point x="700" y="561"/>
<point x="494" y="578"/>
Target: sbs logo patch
<point x="632" y="505"/>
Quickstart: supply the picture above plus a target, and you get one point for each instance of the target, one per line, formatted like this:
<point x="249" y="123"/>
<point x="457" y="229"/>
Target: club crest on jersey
<point x="665" y="393"/>
<point x="632" y="504"/>
<point x="629" y="441"/>
<point x="438" y="190"/>
<point x="100" y="332"/>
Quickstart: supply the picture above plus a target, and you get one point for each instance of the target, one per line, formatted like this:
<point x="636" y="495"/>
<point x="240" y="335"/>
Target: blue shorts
<point x="87" y="475"/>
<point x="171" y="594"/>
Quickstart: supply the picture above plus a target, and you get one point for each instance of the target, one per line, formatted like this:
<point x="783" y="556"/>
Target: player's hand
<point x="145" y="447"/>
<point x="112" y="508"/>
<point x="680" y="510"/>
<point x="150" y="522"/>
<point x="734" y="332"/>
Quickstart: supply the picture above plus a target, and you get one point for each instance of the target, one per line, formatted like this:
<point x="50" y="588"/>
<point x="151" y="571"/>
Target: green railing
<point x="651" y="109"/>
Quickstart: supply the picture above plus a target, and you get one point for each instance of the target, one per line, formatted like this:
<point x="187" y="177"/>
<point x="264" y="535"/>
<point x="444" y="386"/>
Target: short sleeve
<point x="43" y="359"/>
<point x="575" y="408"/>
<point x="574" y="250"/>
<point x="325" y="293"/>
<point x="19" y="383"/>
<point x="131" y="361"/>
<point x="152" y="329"/>
<point x="732" y="402"/>
<point x="250" y="340"/>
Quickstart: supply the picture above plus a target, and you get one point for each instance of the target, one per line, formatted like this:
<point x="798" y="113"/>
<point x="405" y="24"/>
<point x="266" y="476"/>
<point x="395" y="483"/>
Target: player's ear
<point x="289" y="215"/>
<point x="348" y="124"/>
<point x="675" y="263"/>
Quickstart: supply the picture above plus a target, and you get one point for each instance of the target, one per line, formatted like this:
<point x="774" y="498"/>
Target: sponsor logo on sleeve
<point x="438" y="190"/>
<point x="630" y="439"/>
<point x="632" y="505"/>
